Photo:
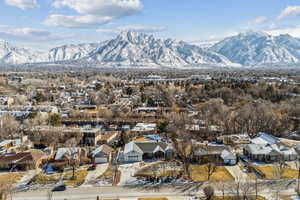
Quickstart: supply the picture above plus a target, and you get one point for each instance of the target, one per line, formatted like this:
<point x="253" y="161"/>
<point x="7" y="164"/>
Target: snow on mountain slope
<point x="257" y="48"/>
<point x="131" y="48"/>
<point x="71" y="52"/>
<point x="138" y="49"/>
<point x="290" y="43"/>
<point x="10" y="54"/>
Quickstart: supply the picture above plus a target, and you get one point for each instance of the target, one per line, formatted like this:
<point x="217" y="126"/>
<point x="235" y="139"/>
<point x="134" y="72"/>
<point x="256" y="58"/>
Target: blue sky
<point x="44" y="24"/>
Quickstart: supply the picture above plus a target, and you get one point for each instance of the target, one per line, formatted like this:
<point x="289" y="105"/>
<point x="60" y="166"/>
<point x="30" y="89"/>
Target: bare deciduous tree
<point x="9" y="127"/>
<point x="209" y="169"/>
<point x="209" y="192"/>
<point x="181" y="139"/>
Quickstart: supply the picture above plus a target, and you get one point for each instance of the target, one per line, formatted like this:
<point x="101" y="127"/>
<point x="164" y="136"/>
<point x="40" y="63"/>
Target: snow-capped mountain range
<point x="257" y="48"/>
<point x="139" y="49"/>
<point x="15" y="55"/>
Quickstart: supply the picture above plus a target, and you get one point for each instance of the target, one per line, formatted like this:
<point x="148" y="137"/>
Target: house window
<point x="133" y="157"/>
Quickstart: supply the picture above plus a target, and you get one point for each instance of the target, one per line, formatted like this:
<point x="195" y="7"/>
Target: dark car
<point x="92" y="167"/>
<point x="59" y="188"/>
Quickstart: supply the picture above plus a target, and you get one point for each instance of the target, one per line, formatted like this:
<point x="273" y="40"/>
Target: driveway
<point x="237" y="173"/>
<point x="92" y="175"/>
<point x="127" y="172"/>
<point x="27" y="177"/>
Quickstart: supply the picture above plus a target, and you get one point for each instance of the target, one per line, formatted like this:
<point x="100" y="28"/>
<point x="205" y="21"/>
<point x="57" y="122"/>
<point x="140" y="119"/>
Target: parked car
<point x="59" y="188"/>
<point x="92" y="167"/>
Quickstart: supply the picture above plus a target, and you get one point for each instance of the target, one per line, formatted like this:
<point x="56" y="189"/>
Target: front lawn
<point x="11" y="178"/>
<point x="77" y="180"/>
<point x="272" y="172"/>
<point x="44" y="179"/>
<point x="157" y="174"/>
<point x="159" y="169"/>
<point x="289" y="173"/>
<point x="199" y="174"/>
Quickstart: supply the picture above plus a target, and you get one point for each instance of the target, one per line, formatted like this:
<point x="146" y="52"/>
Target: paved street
<point x="175" y="192"/>
<point x="103" y="192"/>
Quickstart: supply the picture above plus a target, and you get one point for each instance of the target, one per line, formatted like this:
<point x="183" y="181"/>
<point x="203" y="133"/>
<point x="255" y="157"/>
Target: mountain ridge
<point x="139" y="49"/>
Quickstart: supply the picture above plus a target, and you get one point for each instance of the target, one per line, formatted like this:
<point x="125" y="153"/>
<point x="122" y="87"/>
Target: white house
<point x="132" y="153"/>
<point x="139" y="151"/>
<point x="102" y="154"/>
<point x="228" y="157"/>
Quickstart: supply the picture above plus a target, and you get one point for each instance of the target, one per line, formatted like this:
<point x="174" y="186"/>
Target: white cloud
<point x="272" y="27"/>
<point x="85" y="21"/>
<point x="290" y="11"/>
<point x="141" y="28"/>
<point x="29" y="34"/>
<point x="93" y="12"/>
<point x="108" y="31"/>
<point x="22" y="4"/>
<point x="260" y="20"/>
<point x="293" y="31"/>
<point x="135" y="28"/>
<point x="222" y="36"/>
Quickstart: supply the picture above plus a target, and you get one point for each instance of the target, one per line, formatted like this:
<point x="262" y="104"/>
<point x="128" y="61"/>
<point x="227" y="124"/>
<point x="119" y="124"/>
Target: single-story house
<point x="264" y="138"/>
<point x="144" y="129"/>
<point x="108" y="137"/>
<point x="219" y="154"/>
<point x="270" y="152"/>
<point x="102" y="154"/>
<point x="139" y="151"/>
<point x="6" y="144"/>
<point x="67" y="154"/>
<point x="22" y="161"/>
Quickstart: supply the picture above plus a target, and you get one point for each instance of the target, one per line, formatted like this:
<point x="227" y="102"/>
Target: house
<point x="64" y="154"/>
<point x="108" y="137"/>
<point x="144" y="129"/>
<point x="21" y="161"/>
<point x="89" y="136"/>
<point x="139" y="151"/>
<point x="6" y="144"/>
<point x="234" y="139"/>
<point x="264" y="138"/>
<point x="270" y="152"/>
<point x="228" y="157"/>
<point x="102" y="154"/>
<point x="267" y="148"/>
<point x="219" y="154"/>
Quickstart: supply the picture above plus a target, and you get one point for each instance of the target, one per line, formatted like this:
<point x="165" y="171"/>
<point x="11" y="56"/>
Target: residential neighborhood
<point x="63" y="132"/>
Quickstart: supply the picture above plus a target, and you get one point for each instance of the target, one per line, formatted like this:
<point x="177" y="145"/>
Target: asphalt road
<point x="172" y="192"/>
<point x="87" y="193"/>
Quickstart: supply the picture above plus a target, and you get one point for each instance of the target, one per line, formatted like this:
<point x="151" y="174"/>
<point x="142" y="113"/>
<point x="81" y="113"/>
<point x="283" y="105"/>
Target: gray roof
<point x="264" y="149"/>
<point x="5" y="142"/>
<point x="130" y="147"/>
<point x="105" y="149"/>
<point x="145" y="147"/>
<point x="201" y="150"/>
<point x="151" y="146"/>
<point x="227" y="155"/>
<point x="73" y="152"/>
<point x="265" y="138"/>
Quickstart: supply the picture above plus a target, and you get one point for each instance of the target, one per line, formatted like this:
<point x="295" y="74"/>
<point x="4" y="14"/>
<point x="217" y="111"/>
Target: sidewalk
<point x="27" y="177"/>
